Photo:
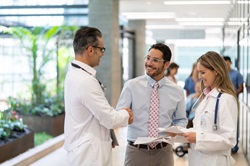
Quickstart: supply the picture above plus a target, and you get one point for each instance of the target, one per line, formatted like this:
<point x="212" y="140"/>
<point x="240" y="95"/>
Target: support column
<point x="104" y="15"/>
<point x="140" y="44"/>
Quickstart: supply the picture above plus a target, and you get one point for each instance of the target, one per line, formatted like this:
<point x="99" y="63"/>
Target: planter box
<point x="51" y="125"/>
<point x="17" y="146"/>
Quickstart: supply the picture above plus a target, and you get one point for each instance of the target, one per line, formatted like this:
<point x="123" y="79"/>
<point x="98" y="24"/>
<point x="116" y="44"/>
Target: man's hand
<point x="131" y="115"/>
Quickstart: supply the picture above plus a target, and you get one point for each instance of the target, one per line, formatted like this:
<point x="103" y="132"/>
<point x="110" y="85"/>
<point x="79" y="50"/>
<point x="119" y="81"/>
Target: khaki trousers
<point x="144" y="157"/>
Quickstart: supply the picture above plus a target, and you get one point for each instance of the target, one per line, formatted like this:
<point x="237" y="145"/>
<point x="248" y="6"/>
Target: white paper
<point x="180" y="139"/>
<point x="177" y="130"/>
<point x="146" y="140"/>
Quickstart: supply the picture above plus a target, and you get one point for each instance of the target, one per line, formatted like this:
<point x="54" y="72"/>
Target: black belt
<point x="145" y="146"/>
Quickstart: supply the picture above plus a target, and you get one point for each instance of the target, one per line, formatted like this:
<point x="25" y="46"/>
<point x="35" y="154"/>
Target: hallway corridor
<point x="58" y="156"/>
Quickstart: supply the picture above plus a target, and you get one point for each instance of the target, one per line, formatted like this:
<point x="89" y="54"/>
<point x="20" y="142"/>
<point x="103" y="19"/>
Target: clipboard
<point x="113" y="137"/>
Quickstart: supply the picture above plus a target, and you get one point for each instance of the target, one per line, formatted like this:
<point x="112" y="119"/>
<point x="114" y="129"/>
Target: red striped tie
<point x="154" y="114"/>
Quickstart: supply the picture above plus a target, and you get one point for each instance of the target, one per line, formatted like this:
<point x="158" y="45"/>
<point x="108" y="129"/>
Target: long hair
<point x="171" y="66"/>
<point x="193" y="67"/>
<point x="214" y="61"/>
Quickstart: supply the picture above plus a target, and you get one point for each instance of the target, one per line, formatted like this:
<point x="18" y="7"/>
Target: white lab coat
<point x="213" y="147"/>
<point x="88" y="120"/>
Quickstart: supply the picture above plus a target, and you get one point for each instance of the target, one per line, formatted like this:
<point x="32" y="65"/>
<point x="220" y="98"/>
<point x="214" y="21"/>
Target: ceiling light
<point x="199" y="19"/>
<point x="148" y="15"/>
<point x="237" y="19"/>
<point x="213" y="30"/>
<point x="197" y="2"/>
<point x="234" y="23"/>
<point x="164" y="27"/>
<point x="243" y="2"/>
<point x="201" y="23"/>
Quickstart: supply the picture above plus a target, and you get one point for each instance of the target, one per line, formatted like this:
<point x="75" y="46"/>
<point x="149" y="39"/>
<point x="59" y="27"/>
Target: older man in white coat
<point x="89" y="117"/>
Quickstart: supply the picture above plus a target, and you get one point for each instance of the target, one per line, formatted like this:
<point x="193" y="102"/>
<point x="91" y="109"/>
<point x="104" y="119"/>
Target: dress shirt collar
<point x="151" y="81"/>
<point x="214" y="93"/>
<point x="91" y="70"/>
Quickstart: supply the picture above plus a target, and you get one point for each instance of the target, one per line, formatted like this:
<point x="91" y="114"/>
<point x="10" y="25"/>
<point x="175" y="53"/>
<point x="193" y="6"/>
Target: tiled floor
<point x="58" y="157"/>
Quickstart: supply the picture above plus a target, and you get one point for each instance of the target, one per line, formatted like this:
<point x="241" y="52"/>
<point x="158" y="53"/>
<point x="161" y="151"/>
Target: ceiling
<point x="177" y="18"/>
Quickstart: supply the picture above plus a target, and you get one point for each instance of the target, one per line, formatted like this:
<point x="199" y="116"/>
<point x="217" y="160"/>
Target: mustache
<point x="148" y="65"/>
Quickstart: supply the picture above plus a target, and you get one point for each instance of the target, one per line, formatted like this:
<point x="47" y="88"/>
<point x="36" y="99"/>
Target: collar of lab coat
<point x="213" y="93"/>
<point x="88" y="68"/>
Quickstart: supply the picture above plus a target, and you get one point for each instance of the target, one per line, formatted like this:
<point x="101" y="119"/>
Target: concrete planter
<point x="51" y="125"/>
<point x="17" y="146"/>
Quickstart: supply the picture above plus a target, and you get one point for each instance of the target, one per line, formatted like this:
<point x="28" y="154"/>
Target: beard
<point x="154" y="72"/>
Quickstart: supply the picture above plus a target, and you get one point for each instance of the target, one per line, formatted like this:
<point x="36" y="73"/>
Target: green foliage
<point x="35" y="40"/>
<point x="9" y="122"/>
<point x="40" y="138"/>
<point x="19" y="105"/>
<point x="52" y="106"/>
<point x="42" y="103"/>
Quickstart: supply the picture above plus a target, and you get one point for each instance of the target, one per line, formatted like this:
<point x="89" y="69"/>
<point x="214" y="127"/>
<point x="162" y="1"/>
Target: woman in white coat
<point x="214" y="136"/>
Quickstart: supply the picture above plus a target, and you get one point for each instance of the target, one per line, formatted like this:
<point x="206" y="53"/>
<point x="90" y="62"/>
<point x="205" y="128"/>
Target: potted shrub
<point x="47" y="117"/>
<point x="15" y="136"/>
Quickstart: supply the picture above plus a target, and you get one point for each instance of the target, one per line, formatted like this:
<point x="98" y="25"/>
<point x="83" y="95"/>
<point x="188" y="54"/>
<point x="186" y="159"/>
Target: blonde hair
<point x="193" y="68"/>
<point x="215" y="62"/>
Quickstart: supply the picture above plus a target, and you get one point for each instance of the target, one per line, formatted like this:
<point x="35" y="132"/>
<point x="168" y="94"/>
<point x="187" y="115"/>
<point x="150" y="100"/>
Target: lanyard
<point x="101" y="84"/>
<point x="216" y="111"/>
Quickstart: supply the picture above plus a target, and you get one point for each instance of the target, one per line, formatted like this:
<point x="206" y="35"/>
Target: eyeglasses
<point x="154" y="60"/>
<point x="101" y="48"/>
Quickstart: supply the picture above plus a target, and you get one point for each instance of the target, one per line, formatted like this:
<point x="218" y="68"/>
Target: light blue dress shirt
<point x="136" y="95"/>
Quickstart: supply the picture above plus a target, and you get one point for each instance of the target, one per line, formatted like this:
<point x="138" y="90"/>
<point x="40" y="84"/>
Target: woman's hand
<point x="171" y="134"/>
<point x="190" y="136"/>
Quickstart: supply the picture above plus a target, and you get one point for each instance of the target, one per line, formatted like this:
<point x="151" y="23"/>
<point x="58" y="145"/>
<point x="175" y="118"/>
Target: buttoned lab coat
<point x="88" y="120"/>
<point x="213" y="147"/>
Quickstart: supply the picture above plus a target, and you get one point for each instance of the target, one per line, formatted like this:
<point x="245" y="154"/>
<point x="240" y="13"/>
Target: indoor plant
<point x="15" y="136"/>
<point x="44" y="109"/>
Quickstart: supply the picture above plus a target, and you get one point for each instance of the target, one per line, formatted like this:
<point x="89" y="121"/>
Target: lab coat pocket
<point x="206" y="120"/>
<point x="197" y="158"/>
<point x="76" y="156"/>
<point x="107" y="152"/>
<point x="103" y="153"/>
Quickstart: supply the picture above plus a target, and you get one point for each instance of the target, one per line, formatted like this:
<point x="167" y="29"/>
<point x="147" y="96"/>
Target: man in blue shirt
<point x="136" y="95"/>
<point x="237" y="80"/>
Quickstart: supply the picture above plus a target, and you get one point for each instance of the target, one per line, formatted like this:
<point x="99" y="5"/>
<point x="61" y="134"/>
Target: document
<point x="146" y="140"/>
<point x="177" y="130"/>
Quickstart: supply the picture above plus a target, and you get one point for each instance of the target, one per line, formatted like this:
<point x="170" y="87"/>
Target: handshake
<point x="131" y="115"/>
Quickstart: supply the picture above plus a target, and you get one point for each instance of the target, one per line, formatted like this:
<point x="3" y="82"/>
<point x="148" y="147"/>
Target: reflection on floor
<point x="58" y="156"/>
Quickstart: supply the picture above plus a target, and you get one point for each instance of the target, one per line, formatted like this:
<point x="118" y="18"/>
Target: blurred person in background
<point x="237" y="80"/>
<point x="171" y="71"/>
<point x="191" y="80"/>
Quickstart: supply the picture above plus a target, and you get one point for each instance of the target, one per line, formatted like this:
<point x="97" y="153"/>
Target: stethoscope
<point x="104" y="88"/>
<point x="215" y="126"/>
